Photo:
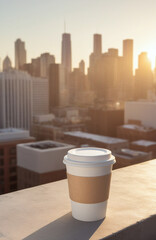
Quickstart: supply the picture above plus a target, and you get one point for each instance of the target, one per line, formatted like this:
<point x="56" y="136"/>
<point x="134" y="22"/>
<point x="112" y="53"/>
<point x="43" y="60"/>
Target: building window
<point x="12" y="151"/>
<point x="13" y="178"/>
<point x="12" y="161"/>
<point x="1" y="162"/>
<point x="1" y="172"/>
<point x="1" y="152"/>
<point x="12" y="170"/>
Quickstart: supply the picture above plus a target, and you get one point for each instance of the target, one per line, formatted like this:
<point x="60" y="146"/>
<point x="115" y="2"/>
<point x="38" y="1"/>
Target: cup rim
<point x="74" y="163"/>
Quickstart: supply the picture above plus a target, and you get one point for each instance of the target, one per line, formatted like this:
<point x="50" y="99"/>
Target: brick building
<point x="9" y="138"/>
<point x="105" y="121"/>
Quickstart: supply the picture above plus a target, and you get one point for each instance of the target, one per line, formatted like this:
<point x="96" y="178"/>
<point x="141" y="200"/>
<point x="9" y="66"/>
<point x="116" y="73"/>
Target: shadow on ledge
<point x="66" y="228"/>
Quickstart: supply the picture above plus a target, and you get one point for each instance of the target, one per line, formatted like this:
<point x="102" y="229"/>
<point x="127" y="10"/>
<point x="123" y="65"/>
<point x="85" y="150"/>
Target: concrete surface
<point x="44" y="213"/>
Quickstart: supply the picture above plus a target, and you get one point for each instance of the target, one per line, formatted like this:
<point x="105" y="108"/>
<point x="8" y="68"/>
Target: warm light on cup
<point x="89" y="174"/>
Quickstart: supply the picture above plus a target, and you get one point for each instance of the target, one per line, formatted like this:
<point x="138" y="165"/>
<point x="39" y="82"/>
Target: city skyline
<point x="40" y="25"/>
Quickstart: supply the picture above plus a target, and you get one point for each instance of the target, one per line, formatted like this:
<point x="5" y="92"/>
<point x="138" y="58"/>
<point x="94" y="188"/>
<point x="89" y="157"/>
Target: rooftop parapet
<point x="44" y="212"/>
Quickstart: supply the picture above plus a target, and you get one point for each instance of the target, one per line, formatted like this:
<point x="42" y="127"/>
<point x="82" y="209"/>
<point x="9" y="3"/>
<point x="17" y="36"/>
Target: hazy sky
<point x="40" y="23"/>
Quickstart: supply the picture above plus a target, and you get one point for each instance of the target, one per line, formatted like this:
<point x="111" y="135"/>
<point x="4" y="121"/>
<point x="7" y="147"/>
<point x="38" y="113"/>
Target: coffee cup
<point x="89" y="175"/>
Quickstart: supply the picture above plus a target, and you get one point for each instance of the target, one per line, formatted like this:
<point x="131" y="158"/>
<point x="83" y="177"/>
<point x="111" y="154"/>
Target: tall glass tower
<point x="66" y="52"/>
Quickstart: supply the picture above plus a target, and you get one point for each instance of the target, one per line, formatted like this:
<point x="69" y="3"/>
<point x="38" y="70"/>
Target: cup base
<point x="89" y="212"/>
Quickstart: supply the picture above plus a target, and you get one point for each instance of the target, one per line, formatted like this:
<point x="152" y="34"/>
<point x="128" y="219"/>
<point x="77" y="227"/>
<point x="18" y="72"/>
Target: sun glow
<point x="152" y="56"/>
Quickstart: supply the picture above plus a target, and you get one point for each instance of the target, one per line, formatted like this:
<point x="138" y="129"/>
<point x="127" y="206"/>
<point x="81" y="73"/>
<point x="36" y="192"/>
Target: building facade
<point x="20" y="54"/>
<point x="58" y="93"/>
<point x="9" y="138"/>
<point x="45" y="60"/>
<point x="66" y="59"/>
<point x="21" y="97"/>
<point x="141" y="111"/>
<point x="7" y="63"/>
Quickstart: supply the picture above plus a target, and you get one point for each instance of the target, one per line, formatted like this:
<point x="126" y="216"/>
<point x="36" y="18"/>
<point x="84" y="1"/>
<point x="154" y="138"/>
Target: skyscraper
<point x="21" y="97"/>
<point x="66" y="52"/>
<point x="57" y="86"/>
<point x="144" y="78"/>
<point x="45" y="60"/>
<point x="128" y="55"/>
<point x="97" y="44"/>
<point x="128" y="87"/>
<point x="6" y="63"/>
<point x="20" y="54"/>
<point x="82" y="66"/>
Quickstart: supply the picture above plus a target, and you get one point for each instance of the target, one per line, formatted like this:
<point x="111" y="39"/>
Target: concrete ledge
<point x="44" y="213"/>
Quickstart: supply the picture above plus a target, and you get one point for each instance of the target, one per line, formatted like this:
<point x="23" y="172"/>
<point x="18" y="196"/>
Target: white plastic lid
<point x="89" y="156"/>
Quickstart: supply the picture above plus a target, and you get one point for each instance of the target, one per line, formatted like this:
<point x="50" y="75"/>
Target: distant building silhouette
<point x="66" y="52"/>
<point x="20" y="54"/>
<point x="128" y="86"/>
<point x="144" y="77"/>
<point x="82" y="66"/>
<point x="57" y="86"/>
<point x="45" y="60"/>
<point x="97" y="50"/>
<point x="97" y="44"/>
<point x="6" y="63"/>
<point x="128" y="55"/>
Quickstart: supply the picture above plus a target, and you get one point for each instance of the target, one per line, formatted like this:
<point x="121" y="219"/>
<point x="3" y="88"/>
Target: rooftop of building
<point x="130" y="154"/>
<point x="95" y="137"/>
<point x="45" y="146"/>
<point x="143" y="101"/>
<point x="145" y="143"/>
<point x="137" y="127"/>
<point x="44" y="212"/>
<point x="11" y="134"/>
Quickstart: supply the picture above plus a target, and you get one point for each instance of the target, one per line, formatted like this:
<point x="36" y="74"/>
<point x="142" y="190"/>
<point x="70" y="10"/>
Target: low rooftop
<point x="145" y="143"/>
<point x="44" y="212"/>
<point x="95" y="137"/>
<point x="137" y="127"/>
<point x="45" y="145"/>
<point x="128" y="153"/>
<point x="10" y="134"/>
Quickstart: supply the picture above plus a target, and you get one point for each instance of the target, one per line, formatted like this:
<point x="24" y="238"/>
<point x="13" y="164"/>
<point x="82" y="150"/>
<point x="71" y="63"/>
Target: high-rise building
<point x="21" y="97"/>
<point x="94" y="58"/>
<point x="9" y="138"/>
<point x="82" y="66"/>
<point x="128" y="55"/>
<point x="97" y="44"/>
<point x="20" y="54"/>
<point x="128" y="84"/>
<point x="97" y="50"/>
<point x="144" y="77"/>
<point x="66" y="52"/>
<point x="6" y="63"/>
<point x="57" y="86"/>
<point x="45" y="60"/>
<point x="40" y="96"/>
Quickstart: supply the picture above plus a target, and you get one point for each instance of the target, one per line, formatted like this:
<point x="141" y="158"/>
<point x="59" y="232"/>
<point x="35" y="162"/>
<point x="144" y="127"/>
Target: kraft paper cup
<point x="89" y="175"/>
